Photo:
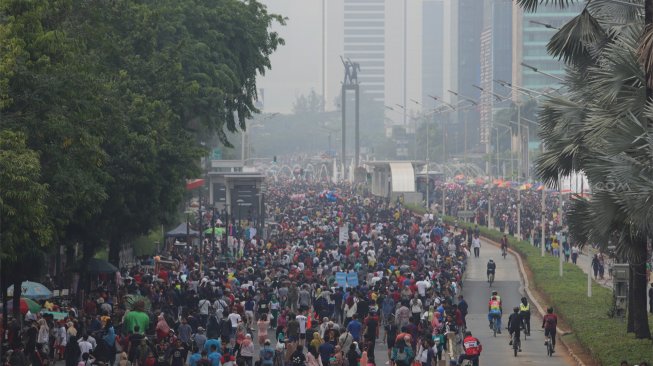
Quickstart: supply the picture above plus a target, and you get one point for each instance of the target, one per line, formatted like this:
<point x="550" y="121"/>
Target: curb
<point x="538" y="306"/>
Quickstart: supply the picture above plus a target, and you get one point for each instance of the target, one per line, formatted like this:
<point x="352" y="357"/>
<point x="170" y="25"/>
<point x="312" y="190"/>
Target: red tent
<point x="194" y="184"/>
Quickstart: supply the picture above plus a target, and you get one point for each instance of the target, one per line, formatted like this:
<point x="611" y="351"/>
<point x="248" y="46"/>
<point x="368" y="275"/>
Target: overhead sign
<point x="216" y="154"/>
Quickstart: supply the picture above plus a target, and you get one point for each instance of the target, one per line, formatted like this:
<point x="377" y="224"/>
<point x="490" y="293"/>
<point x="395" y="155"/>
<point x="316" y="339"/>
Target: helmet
<point x="515" y="309"/>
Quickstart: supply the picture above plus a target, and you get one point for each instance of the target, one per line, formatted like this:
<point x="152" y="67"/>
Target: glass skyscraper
<point x="364" y="42"/>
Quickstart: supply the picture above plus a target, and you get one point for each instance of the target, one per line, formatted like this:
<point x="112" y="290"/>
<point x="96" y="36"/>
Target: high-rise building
<point x="432" y="52"/>
<point x="364" y="42"/>
<point x="470" y="26"/>
<point x="531" y="36"/>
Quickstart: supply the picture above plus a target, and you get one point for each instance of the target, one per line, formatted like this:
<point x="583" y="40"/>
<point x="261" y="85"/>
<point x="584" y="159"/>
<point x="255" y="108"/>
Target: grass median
<point x="604" y="337"/>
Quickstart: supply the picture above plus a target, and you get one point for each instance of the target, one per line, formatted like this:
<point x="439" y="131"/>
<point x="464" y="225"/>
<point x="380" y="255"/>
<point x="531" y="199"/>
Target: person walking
<point x="476" y="244"/>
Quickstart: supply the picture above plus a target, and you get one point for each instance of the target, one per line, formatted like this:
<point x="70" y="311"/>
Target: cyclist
<point x="495" y="311"/>
<point x="491" y="268"/>
<point x="549" y="323"/>
<point x="504" y="244"/>
<point x="495" y="293"/>
<point x="472" y="347"/>
<point x="525" y="315"/>
<point x="514" y="326"/>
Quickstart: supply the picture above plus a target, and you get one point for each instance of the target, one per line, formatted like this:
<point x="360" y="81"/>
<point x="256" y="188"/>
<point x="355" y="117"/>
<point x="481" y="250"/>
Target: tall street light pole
<point x="475" y="103"/>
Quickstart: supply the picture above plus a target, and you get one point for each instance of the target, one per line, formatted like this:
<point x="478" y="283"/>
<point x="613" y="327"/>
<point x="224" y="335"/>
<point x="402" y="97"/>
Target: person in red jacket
<point x="472" y="348"/>
<point x="550" y="323"/>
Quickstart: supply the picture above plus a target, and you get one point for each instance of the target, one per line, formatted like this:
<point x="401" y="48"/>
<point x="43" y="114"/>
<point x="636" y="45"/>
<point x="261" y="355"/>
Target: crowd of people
<point x="343" y="272"/>
<point x="503" y="206"/>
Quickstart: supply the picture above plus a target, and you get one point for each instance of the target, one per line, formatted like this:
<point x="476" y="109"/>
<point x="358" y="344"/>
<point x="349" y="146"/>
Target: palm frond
<point x="624" y="11"/>
<point x="531" y="5"/>
<point x="573" y="42"/>
<point x="645" y="53"/>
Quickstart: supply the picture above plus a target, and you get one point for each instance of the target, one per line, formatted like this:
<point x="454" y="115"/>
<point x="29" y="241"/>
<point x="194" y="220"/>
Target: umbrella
<point x="25" y="305"/>
<point x="31" y="290"/>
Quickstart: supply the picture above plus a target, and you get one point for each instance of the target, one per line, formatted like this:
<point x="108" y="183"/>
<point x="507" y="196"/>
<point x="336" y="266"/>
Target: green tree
<point x="601" y="127"/>
<point x="24" y="227"/>
<point x="115" y="96"/>
<point x="312" y="103"/>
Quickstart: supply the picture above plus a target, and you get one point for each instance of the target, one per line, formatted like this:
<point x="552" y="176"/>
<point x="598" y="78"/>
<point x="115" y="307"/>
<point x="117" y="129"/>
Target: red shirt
<point x="550" y="321"/>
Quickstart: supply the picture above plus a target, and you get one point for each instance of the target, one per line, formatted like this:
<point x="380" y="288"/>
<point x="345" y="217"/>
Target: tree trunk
<point x="115" y="245"/>
<point x="637" y="294"/>
<point x="630" y="327"/>
<point x="5" y="312"/>
<point x="16" y="299"/>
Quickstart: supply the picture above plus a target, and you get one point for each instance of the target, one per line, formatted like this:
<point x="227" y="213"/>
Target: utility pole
<point x="324" y="55"/>
<point x="519" y="213"/>
<point x="521" y="142"/>
<point x="428" y="175"/>
<point x="405" y="54"/>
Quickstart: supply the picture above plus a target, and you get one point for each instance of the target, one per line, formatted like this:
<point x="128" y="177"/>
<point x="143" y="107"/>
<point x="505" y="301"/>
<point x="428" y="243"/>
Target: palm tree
<point x="601" y="126"/>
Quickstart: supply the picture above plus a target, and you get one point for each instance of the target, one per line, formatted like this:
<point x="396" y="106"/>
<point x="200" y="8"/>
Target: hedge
<point x="604" y="337"/>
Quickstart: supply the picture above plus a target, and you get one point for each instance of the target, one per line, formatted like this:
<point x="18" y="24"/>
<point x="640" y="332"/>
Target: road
<point x="476" y="291"/>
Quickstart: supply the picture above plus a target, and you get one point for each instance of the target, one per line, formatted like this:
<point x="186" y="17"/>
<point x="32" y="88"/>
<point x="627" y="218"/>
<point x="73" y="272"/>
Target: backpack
<point x="402" y="357"/>
<point x="268" y="354"/>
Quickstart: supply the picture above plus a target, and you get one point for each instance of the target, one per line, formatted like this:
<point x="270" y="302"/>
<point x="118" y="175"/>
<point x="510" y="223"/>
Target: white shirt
<point x="302" y="323"/>
<point x="235" y="319"/>
<point x="476" y="243"/>
<point x="422" y="286"/>
<point x="204" y="306"/>
<point x="85" y="346"/>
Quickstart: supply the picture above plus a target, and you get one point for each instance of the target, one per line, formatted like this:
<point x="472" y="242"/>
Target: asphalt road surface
<point x="476" y="291"/>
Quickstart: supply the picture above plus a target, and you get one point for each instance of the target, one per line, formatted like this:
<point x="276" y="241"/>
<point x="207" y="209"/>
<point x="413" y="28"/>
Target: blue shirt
<point x="354" y="327"/>
<point x="209" y="342"/>
<point x="192" y="360"/>
<point x="215" y="357"/>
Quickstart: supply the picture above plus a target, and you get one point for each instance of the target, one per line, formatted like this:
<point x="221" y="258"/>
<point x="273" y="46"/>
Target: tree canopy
<point x="112" y="98"/>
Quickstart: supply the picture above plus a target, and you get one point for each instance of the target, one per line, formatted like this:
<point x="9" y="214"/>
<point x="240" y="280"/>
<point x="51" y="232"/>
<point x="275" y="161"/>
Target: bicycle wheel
<point x="494" y="326"/>
<point x="514" y="347"/>
<point x="549" y="348"/>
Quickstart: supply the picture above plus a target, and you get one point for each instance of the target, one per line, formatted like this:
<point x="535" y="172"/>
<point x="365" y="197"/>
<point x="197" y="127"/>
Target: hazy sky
<point x="296" y="67"/>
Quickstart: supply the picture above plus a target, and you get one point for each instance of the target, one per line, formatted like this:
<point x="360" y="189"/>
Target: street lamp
<point x="535" y="69"/>
<point x="499" y="98"/>
<point x="474" y="103"/>
<point x="546" y="25"/>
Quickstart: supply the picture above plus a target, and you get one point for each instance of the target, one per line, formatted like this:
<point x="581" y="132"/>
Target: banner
<point x="352" y="279"/>
<point x="341" y="279"/>
<point x="343" y="234"/>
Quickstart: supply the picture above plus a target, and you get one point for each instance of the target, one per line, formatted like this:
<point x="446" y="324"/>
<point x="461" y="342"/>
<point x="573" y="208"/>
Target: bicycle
<point x="549" y="346"/>
<point x="495" y="325"/>
<point x="525" y="326"/>
<point x="516" y="344"/>
<point x="490" y="278"/>
<point x="504" y="252"/>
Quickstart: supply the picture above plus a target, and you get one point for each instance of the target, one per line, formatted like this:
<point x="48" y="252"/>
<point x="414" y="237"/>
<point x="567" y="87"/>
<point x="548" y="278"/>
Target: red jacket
<point x="472" y="346"/>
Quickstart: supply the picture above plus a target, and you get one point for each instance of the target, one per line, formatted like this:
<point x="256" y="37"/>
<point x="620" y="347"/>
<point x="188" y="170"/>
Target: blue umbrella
<point x="31" y="290"/>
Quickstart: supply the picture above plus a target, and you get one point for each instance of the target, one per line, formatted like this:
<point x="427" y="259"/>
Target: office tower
<point x="432" y="52"/>
<point x="470" y="27"/>
<point x="364" y="42"/>
<point x="531" y="35"/>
